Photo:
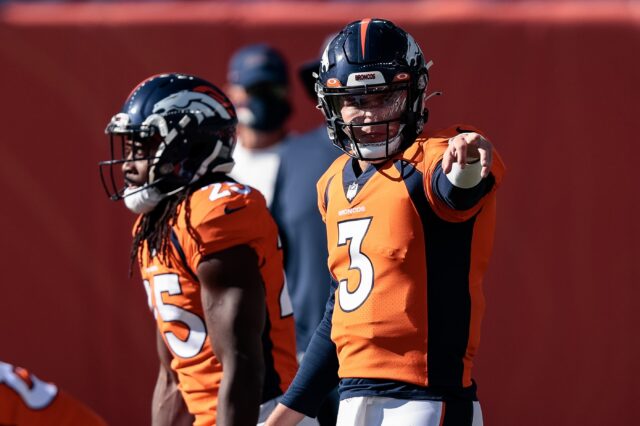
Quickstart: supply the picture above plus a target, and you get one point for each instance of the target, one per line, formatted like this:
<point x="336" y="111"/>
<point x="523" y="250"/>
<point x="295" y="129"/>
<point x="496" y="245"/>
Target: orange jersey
<point x="27" y="400"/>
<point x="409" y="268"/>
<point x="223" y="215"/>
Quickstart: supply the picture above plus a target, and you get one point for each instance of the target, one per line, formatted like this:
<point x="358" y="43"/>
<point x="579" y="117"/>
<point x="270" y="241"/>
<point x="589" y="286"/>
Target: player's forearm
<point x="168" y="406"/>
<point x="240" y="392"/>
<point x="457" y="197"/>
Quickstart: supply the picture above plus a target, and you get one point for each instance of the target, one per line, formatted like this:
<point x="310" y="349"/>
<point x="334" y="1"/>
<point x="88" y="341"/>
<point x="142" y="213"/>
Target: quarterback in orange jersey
<point x="410" y="219"/>
<point x="208" y="252"/>
<point x="25" y="400"/>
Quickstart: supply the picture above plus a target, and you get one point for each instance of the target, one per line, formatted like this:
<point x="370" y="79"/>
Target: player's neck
<point x="359" y="167"/>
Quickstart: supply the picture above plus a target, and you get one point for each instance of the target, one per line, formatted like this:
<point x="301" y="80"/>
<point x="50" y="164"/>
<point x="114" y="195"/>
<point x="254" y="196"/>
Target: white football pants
<point x="381" y="411"/>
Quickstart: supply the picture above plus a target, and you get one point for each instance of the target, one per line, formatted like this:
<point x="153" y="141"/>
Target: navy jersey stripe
<point x="448" y="259"/>
<point x="349" y="177"/>
<point x="183" y="258"/>
<point x="386" y="388"/>
<point x="326" y="194"/>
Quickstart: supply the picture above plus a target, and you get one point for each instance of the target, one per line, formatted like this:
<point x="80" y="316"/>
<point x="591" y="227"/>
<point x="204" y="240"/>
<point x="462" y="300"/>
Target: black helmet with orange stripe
<point x="371" y="88"/>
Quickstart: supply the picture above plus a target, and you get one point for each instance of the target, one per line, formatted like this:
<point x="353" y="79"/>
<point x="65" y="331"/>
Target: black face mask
<point x="264" y="112"/>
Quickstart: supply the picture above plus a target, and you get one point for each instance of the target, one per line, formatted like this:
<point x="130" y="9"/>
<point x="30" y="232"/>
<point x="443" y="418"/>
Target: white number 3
<point x="355" y="230"/>
<point x="36" y="394"/>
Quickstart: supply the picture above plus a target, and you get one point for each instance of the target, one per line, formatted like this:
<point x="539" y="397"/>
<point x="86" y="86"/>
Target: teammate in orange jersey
<point x="209" y="255"/>
<point x="410" y="220"/>
<point x="25" y="400"/>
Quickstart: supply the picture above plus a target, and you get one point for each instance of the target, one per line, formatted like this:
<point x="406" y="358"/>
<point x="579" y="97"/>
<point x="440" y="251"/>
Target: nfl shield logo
<point x="352" y="191"/>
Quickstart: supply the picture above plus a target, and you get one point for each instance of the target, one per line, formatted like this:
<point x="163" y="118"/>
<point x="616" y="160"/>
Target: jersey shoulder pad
<point x="224" y="215"/>
<point x="220" y="199"/>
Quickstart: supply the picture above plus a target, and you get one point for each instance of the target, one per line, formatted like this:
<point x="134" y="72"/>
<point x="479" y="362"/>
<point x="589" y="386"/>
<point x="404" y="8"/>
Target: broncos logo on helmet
<point x="198" y="103"/>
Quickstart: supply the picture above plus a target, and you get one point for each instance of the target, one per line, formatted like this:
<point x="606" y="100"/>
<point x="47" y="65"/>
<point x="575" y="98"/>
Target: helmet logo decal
<point x="199" y="104"/>
<point x="324" y="62"/>
<point x="119" y="122"/>
<point x="364" y="78"/>
<point x="367" y="76"/>
<point x="352" y="191"/>
<point x="413" y="51"/>
<point x="333" y="82"/>
<point x="401" y="77"/>
<point x="364" y="25"/>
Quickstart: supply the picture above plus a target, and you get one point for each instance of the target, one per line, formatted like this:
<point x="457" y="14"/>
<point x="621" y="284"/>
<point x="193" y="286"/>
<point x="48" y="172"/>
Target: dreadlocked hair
<point x="155" y="228"/>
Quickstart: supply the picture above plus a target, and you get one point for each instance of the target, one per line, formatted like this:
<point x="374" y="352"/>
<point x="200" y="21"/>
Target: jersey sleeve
<point x="322" y="187"/>
<point x="236" y="220"/>
<point x="434" y="149"/>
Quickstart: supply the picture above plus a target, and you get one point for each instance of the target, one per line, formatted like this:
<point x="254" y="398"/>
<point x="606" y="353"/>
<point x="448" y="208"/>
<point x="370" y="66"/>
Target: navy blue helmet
<point x="189" y="123"/>
<point x="373" y="57"/>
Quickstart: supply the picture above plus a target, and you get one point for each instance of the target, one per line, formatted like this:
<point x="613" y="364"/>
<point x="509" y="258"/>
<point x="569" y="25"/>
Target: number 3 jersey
<point x="408" y="268"/>
<point x="222" y="215"/>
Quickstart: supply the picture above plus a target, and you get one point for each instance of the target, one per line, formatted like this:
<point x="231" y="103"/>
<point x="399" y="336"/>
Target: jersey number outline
<point x="355" y="231"/>
<point x="197" y="336"/>
<point x="36" y="395"/>
<point x="233" y="186"/>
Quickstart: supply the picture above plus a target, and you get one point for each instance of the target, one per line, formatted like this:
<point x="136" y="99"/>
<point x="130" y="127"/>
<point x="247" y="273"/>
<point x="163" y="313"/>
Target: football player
<point x="25" y="400"/>
<point x="410" y="221"/>
<point x="208" y="252"/>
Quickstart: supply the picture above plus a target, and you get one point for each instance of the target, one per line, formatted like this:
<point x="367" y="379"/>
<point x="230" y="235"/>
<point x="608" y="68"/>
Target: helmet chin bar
<point x="358" y="149"/>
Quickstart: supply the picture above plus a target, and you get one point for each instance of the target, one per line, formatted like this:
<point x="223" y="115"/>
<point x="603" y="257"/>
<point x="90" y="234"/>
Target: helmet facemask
<point x="128" y="144"/>
<point x="368" y="122"/>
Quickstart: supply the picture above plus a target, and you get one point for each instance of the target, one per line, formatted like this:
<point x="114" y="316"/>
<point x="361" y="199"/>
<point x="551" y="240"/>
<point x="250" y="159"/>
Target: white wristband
<point x="465" y="178"/>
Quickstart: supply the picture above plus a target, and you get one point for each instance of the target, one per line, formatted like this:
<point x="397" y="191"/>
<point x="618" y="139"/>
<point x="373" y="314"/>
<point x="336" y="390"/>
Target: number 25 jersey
<point x="222" y="215"/>
<point x="409" y="268"/>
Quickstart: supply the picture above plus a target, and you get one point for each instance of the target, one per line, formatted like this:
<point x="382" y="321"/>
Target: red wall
<point x="555" y="86"/>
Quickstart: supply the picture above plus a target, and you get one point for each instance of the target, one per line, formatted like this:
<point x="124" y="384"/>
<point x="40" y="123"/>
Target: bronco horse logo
<point x="199" y="104"/>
